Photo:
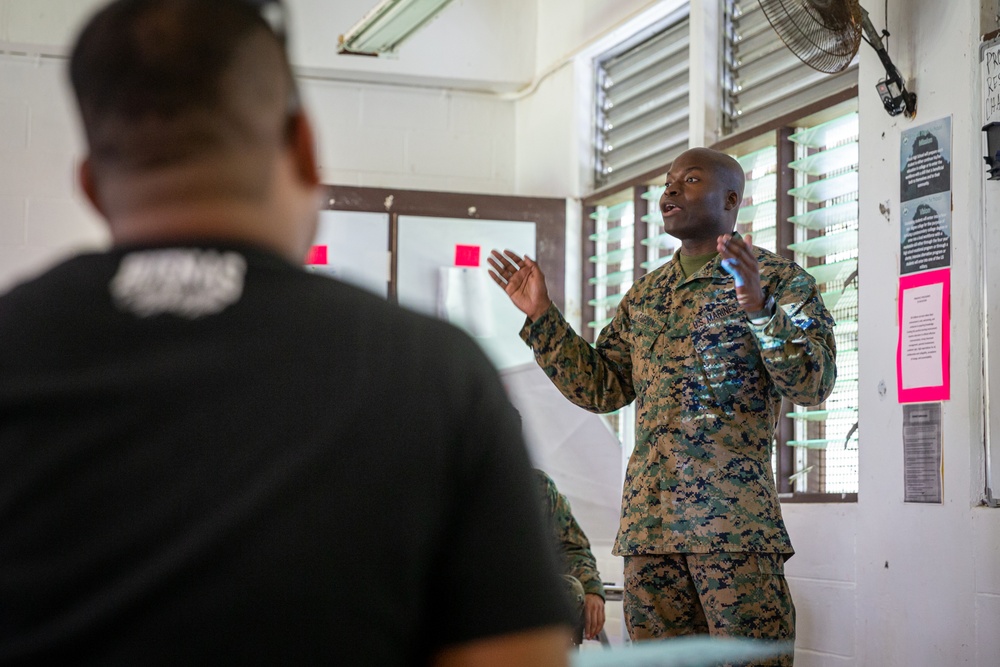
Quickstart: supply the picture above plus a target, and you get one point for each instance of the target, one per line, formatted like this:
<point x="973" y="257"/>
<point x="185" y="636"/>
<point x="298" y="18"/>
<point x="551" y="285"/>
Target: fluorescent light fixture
<point x="385" y="27"/>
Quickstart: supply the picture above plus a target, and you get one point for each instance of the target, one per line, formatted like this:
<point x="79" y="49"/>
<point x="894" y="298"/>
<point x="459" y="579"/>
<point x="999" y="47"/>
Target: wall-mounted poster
<point x="923" y="471"/>
<point x="926" y="233"/>
<point x="922" y="352"/>
<point x="925" y="194"/>
<point x="925" y="159"/>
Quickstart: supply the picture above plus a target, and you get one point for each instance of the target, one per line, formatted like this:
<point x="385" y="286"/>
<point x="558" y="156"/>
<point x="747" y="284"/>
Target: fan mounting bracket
<point x="892" y="89"/>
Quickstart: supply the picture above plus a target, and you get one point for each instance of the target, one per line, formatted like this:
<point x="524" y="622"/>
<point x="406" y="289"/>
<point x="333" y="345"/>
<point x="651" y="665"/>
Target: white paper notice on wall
<point x="922" y="471"/>
<point x="990" y="73"/>
<point x="463" y="299"/>
<point x="923" y="351"/>
<point x="922" y="323"/>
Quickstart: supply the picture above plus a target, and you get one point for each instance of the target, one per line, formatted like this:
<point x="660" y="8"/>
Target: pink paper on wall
<point x="317" y="255"/>
<point x="467" y="255"/>
<point x="923" y="349"/>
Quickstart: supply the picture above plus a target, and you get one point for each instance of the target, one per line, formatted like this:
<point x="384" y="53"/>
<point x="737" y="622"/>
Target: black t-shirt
<point x="212" y="456"/>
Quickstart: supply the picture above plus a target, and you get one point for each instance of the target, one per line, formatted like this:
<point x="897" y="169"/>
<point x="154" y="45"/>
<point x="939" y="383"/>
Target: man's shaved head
<point x="701" y="200"/>
<point x="165" y="82"/>
<point x="725" y="168"/>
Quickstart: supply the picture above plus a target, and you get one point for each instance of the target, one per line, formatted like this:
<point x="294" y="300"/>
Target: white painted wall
<point x="369" y="133"/>
<point x="928" y="576"/>
<point x="564" y="26"/>
<point x="381" y="135"/>
<point x="548" y="154"/>
<point x="43" y="215"/>
<point x="471" y="44"/>
<point x="822" y="579"/>
<point x="48" y="26"/>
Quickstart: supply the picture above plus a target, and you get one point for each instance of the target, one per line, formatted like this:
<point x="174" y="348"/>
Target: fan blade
<point x="824" y="34"/>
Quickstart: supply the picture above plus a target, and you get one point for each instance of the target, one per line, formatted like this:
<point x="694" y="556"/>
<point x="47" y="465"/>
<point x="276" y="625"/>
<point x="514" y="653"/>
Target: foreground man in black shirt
<point x="209" y="456"/>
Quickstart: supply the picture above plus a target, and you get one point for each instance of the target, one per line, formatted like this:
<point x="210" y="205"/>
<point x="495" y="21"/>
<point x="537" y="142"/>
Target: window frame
<point x="679" y="17"/>
<point x="548" y="214"/>
<point x="782" y="127"/>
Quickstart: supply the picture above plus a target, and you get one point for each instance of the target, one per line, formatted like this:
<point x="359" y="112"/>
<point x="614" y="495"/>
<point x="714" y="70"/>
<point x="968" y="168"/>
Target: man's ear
<point x="303" y="147"/>
<point x="88" y="184"/>
<point x="732" y="200"/>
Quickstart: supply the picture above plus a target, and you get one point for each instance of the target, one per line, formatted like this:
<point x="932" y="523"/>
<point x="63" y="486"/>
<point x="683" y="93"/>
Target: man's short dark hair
<point x="164" y="81"/>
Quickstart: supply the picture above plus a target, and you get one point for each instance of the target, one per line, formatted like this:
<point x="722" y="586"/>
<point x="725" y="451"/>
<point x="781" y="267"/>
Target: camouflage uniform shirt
<point x="578" y="558"/>
<point x="707" y="385"/>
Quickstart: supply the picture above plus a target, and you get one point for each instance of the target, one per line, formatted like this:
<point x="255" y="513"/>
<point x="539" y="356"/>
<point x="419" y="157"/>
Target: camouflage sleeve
<point x="596" y="378"/>
<point x="580" y="561"/>
<point x="797" y="344"/>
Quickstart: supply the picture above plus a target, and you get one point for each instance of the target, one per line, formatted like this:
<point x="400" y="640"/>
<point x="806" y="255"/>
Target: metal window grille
<point x="826" y="220"/>
<point x="642" y="103"/>
<point x="762" y="79"/>
<point x="825" y="199"/>
<point x="613" y="237"/>
<point x="758" y="212"/>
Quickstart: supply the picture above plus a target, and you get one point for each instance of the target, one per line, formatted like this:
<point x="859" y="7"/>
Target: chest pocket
<point x="729" y="358"/>
<point x="665" y="363"/>
<point x="645" y="332"/>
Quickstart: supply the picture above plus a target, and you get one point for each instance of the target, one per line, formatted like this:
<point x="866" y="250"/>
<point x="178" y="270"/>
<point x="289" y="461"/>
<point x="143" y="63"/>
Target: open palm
<point x="522" y="281"/>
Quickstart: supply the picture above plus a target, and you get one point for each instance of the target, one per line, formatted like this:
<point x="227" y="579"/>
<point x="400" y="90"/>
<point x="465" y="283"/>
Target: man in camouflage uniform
<point x="583" y="581"/>
<point x="707" y="345"/>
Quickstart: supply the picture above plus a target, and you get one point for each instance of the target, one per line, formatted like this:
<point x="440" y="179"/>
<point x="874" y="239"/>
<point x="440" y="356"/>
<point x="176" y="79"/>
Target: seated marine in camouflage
<point x="583" y="581"/>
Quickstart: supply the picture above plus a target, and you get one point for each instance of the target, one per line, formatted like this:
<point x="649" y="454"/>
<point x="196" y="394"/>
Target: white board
<point x="427" y="249"/>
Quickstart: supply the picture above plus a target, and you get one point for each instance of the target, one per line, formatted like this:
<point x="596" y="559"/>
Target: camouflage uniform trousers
<point x="575" y="594"/>
<point x="721" y="594"/>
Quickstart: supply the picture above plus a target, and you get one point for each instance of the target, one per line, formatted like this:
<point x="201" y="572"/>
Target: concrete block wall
<point x="43" y="215"/>
<point x="368" y="135"/>
<point x="822" y="578"/>
<point x="412" y="138"/>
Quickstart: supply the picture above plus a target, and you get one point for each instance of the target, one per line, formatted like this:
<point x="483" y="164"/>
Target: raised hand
<point x="739" y="259"/>
<point x="522" y="280"/>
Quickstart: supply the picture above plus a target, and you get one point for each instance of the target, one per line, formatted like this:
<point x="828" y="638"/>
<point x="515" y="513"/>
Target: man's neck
<point x="208" y="220"/>
<point x="698" y="247"/>
<point x="198" y="204"/>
